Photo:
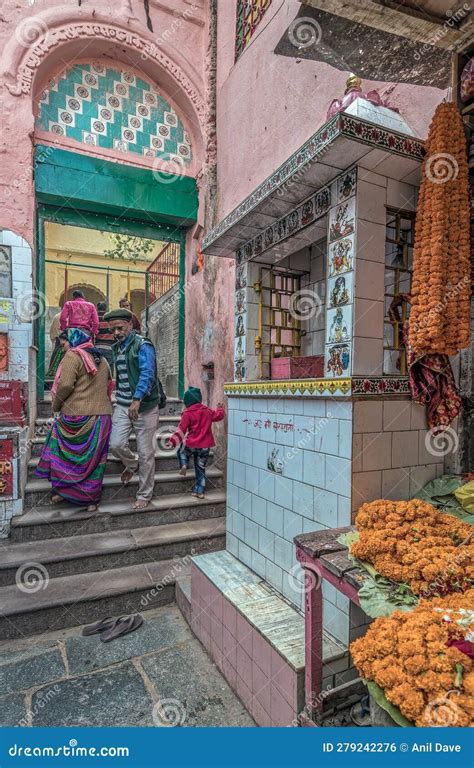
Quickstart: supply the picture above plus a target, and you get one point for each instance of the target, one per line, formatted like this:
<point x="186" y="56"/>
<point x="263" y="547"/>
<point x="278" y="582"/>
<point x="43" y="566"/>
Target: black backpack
<point x="162" y="395"/>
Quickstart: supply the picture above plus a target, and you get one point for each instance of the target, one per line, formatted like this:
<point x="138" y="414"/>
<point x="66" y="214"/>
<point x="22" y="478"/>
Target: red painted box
<point x="12" y="403"/>
<point x="311" y="367"/>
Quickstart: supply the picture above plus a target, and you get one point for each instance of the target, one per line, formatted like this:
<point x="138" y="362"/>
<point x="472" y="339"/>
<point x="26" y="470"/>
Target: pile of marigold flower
<point x="439" y="318"/>
<point x="412" y="542"/>
<point x="416" y="659"/>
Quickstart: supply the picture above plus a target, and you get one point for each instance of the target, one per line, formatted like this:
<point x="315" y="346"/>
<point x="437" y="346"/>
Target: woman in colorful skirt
<point x="75" y="453"/>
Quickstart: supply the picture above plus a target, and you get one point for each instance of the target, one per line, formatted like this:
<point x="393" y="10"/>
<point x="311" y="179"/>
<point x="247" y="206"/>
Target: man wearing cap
<point x="137" y="399"/>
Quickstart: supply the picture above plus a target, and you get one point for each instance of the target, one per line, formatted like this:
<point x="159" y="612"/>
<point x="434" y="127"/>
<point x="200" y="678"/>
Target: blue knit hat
<point x="192" y="396"/>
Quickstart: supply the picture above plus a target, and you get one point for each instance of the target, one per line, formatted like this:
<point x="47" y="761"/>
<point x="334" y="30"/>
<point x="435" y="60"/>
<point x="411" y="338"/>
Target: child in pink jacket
<point x="194" y="436"/>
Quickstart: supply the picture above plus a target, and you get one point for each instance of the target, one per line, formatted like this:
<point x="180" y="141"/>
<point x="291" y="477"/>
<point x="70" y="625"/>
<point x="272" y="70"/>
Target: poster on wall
<point x="6" y="468"/>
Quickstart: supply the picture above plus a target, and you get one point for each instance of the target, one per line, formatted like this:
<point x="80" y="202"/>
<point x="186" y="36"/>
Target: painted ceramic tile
<point x="341" y="256"/>
<point x="239" y="371"/>
<point x="240" y="324"/>
<point x="307" y="212"/>
<point x="322" y="201"/>
<point x="293" y="222"/>
<point x="258" y="244"/>
<point x="239" y="349"/>
<point x="340" y="290"/>
<point x="339" y="324"/>
<point x="274" y="462"/>
<point x="268" y="237"/>
<point x="346" y="185"/>
<point x="342" y="220"/>
<point x="240" y="277"/>
<point x="338" y="360"/>
<point x="240" y="301"/>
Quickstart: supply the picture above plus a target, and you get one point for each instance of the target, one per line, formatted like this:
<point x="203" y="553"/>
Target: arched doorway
<point x="91" y="293"/>
<point x="137" y="300"/>
<point x="120" y="114"/>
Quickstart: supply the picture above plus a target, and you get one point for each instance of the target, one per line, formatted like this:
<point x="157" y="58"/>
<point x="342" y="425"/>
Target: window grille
<point x="399" y="241"/>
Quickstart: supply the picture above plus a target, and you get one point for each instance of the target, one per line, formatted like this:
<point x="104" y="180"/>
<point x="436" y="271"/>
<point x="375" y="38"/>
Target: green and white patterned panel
<point x="113" y="109"/>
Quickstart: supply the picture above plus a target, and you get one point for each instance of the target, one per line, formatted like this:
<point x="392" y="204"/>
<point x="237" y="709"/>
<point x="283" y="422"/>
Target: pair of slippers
<point x="112" y="627"/>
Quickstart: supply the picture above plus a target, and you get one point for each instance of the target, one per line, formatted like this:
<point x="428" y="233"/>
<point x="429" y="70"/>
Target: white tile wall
<point x="267" y="509"/>
<point x="20" y="333"/>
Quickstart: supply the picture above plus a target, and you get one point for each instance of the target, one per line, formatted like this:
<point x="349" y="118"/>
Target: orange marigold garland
<point x="416" y="659"/>
<point x="412" y="542"/>
<point x="440" y="312"/>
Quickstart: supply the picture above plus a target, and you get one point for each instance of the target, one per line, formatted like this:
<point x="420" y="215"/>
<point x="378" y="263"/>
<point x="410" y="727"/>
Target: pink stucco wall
<point x="182" y="39"/>
<point x="268" y="105"/>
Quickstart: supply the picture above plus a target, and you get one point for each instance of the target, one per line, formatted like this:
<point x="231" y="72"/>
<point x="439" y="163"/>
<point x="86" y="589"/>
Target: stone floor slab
<point x="112" y="697"/>
<point x="12" y="710"/>
<point x="24" y="669"/>
<point x="86" y="654"/>
<point x="187" y="677"/>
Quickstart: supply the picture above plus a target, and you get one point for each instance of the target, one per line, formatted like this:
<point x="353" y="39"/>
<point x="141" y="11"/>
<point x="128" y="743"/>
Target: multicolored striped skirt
<point x="74" y="457"/>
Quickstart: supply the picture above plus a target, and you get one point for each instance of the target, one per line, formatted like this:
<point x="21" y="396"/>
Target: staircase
<point x="64" y="566"/>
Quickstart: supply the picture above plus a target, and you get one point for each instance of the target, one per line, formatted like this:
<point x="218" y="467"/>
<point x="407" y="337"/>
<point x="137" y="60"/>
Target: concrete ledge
<point x="255" y="637"/>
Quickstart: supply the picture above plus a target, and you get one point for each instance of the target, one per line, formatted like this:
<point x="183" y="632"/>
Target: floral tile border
<point x="293" y="222"/>
<point x="356" y="386"/>
<point x="380" y="385"/>
<point x="339" y="125"/>
<point x="317" y="387"/>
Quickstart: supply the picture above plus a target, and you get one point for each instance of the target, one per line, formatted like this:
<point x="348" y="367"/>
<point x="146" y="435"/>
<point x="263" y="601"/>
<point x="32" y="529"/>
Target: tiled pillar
<point x="342" y="220"/>
<point x="16" y="327"/>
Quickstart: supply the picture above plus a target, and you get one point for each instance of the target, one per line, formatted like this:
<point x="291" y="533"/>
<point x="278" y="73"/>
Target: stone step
<point x="38" y="492"/>
<point x="38" y="441"/>
<point x="66" y="520"/>
<point x="164" y="461"/>
<point x="173" y="407"/>
<point x="69" y="601"/>
<point x="43" y="424"/>
<point x="52" y="558"/>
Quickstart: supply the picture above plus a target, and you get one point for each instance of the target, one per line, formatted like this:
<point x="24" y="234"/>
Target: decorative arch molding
<point x="29" y="60"/>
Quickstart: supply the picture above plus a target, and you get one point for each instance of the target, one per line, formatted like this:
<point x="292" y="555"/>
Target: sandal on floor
<point x="122" y="626"/>
<point x="99" y="626"/>
<point x="198" y="495"/>
<point x="56" y="499"/>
